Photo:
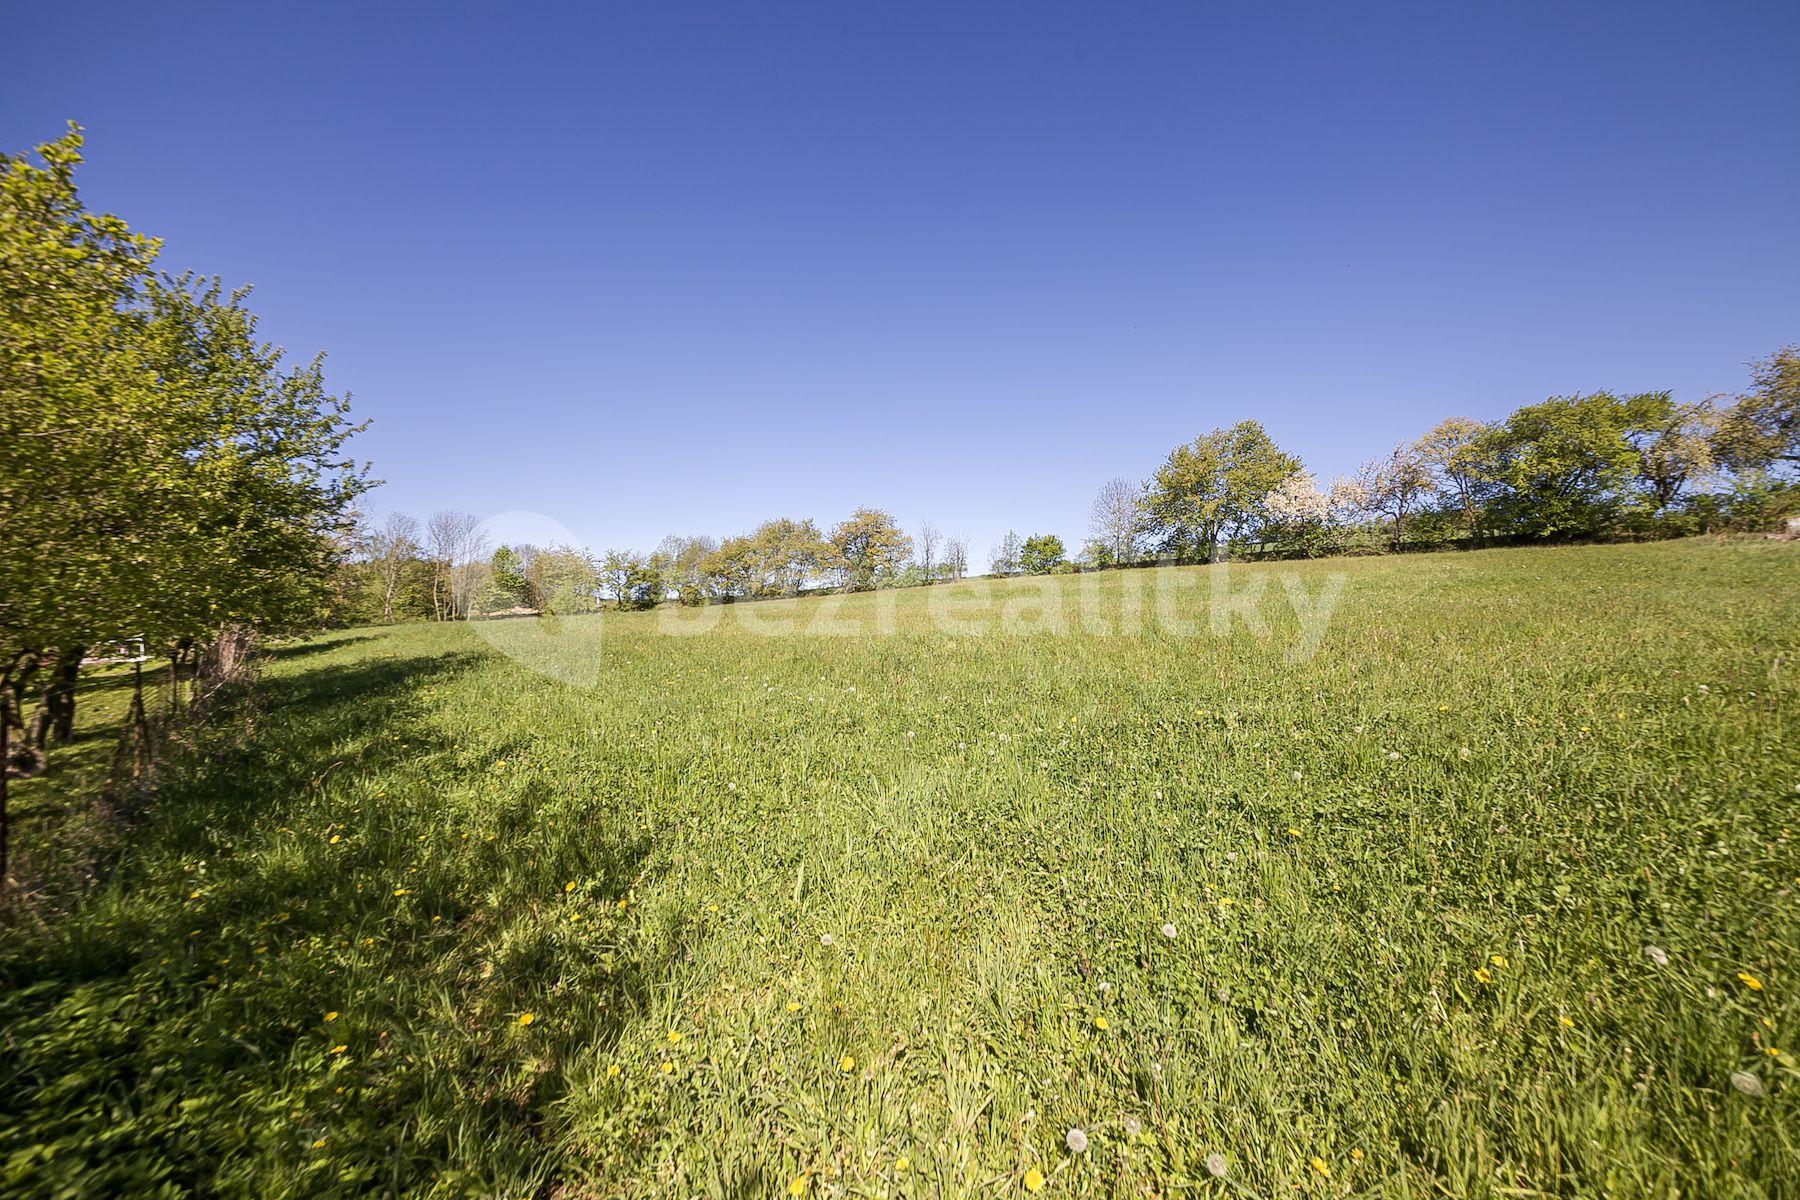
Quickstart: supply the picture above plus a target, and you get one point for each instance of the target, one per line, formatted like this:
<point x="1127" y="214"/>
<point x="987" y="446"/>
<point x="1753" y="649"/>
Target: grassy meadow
<point x="1495" y="892"/>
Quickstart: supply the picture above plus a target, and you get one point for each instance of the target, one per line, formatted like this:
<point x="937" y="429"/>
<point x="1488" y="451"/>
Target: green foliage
<point x="1211" y="490"/>
<point x="867" y="550"/>
<point x="1041" y="554"/>
<point x="1762" y="428"/>
<point x="1563" y="468"/>
<point x="507" y="583"/>
<point x="1560" y="757"/>
<point x="161" y="470"/>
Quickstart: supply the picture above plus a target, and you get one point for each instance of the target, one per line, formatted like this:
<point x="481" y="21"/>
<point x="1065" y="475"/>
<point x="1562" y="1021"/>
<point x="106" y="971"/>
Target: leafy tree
<point x="782" y="555"/>
<point x="1451" y="451"/>
<point x="1675" y="446"/>
<point x="867" y="550"/>
<point x="508" y="586"/>
<point x="163" y="473"/>
<point x="686" y="558"/>
<point x="1041" y="554"/>
<point x="564" y="580"/>
<point x="1564" y="468"/>
<point x="733" y="571"/>
<point x="1762" y="428"/>
<point x="1207" y="492"/>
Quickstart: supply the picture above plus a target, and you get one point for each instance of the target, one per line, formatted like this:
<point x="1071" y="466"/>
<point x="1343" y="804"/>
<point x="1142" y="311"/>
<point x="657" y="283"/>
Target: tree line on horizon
<point x="1571" y="467"/>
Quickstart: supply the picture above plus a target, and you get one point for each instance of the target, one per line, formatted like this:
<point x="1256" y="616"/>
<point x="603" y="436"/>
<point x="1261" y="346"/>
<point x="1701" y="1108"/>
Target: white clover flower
<point x="1215" y="1165"/>
<point x="1231" y="856"/>
<point x="825" y="939"/>
<point x="1104" y="986"/>
<point x="1393" y="756"/>
<point x="1657" y="955"/>
<point x="1076" y="1141"/>
<point x="1168" y="930"/>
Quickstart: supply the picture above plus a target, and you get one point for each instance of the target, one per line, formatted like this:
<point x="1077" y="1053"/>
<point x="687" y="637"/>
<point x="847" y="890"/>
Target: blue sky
<point x="680" y="267"/>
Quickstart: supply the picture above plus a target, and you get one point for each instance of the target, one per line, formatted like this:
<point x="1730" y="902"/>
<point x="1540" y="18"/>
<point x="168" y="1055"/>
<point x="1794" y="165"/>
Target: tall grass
<point x="1494" y="894"/>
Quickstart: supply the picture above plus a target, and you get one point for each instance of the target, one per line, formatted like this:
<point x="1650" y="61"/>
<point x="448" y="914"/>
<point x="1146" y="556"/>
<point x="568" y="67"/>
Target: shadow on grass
<point x="181" y="1003"/>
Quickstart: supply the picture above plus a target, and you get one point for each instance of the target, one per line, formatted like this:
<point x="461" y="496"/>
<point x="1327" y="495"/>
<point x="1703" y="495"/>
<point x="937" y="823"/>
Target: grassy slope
<point x="1505" y="753"/>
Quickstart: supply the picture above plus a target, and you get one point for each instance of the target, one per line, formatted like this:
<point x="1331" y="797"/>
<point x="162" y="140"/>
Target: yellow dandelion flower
<point x="402" y="891"/>
<point x="1567" y="1022"/>
<point x="798" y="1185"/>
<point x="674" y="1037"/>
<point x="1482" y="974"/>
<point x="846" y="1063"/>
<point x="1100" y="1023"/>
<point x="793" y="1006"/>
<point x="612" y="1070"/>
<point x="902" y="1163"/>
<point x="569" y="886"/>
<point x="1750" y="981"/>
<point x="1499" y="960"/>
<point x="335" y="839"/>
<point x="339" y="1049"/>
<point x="1356" y="1155"/>
<point x="527" y="1018"/>
<point x="1321" y="1166"/>
<point x="1034" y="1180"/>
<point x="667" y="1068"/>
<point x="319" y="1144"/>
<point x="332" y="1015"/>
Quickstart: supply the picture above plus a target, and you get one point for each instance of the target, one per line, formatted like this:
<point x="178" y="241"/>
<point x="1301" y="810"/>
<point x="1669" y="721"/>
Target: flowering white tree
<point x="1305" y="519"/>
<point x="1297" y="498"/>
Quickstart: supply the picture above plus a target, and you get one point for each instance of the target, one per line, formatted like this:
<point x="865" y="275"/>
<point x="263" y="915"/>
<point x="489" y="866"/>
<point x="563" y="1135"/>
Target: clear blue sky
<point x="672" y="267"/>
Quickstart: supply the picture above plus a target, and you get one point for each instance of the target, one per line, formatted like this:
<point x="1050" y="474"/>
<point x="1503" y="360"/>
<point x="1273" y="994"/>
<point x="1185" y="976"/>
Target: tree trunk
<point x="55" y="717"/>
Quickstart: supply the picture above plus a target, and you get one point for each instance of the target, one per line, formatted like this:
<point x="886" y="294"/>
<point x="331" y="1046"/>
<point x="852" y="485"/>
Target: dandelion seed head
<point x="1076" y="1140"/>
<point x="1168" y="930"/>
<point x="1215" y="1165"/>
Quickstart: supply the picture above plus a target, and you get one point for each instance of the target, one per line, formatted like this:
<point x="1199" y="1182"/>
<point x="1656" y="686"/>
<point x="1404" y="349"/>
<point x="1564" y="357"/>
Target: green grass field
<point x="1492" y="895"/>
